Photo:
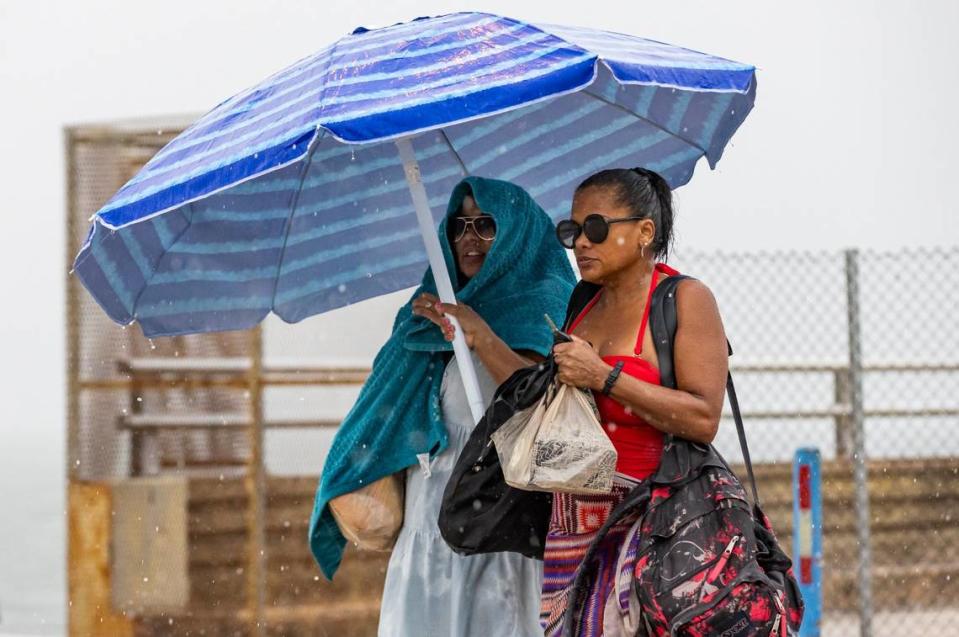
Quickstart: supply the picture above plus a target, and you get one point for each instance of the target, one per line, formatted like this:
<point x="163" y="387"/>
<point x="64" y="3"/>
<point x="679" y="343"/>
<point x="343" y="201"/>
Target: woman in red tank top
<point x="621" y="227"/>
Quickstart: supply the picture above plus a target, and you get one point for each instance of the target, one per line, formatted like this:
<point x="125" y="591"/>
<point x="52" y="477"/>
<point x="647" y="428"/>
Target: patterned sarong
<point x="575" y="521"/>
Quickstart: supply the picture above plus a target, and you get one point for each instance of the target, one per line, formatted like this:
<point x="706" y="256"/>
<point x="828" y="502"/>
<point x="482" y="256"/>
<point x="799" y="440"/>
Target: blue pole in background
<point x="807" y="536"/>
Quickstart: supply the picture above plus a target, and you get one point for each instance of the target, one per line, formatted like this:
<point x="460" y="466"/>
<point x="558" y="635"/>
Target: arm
<point x="496" y="355"/>
<point x="498" y="358"/>
<point x="700" y="357"/>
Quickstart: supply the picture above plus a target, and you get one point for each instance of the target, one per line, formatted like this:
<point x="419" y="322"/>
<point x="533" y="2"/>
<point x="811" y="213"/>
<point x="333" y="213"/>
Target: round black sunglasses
<point x="595" y="227"/>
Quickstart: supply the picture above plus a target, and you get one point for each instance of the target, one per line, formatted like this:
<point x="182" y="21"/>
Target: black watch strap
<point x="611" y="379"/>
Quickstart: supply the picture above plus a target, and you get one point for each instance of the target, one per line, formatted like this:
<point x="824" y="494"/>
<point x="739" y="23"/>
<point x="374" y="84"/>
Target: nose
<point x="582" y="242"/>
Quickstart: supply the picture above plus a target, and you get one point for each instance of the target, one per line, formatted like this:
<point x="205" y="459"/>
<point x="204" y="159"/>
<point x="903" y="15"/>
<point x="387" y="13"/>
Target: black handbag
<point x="480" y="513"/>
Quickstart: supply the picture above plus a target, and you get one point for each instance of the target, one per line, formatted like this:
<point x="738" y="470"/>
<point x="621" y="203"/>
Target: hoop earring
<point x="642" y="251"/>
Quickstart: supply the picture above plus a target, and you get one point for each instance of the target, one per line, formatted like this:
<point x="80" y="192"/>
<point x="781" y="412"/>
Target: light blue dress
<point x="431" y="591"/>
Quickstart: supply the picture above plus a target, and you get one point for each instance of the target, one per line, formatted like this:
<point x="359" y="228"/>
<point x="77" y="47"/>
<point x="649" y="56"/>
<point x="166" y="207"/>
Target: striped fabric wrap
<point x="575" y="523"/>
<point x="290" y="197"/>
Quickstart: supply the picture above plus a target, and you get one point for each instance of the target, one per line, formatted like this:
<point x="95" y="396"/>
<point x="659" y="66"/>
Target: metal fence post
<point x="860" y="476"/>
<point x="843" y="401"/>
<point x="72" y="316"/>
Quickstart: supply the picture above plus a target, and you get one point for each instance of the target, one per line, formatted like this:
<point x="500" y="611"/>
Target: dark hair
<point x="646" y="194"/>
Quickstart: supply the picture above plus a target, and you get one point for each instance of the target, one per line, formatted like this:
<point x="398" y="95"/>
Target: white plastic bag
<point x="557" y="445"/>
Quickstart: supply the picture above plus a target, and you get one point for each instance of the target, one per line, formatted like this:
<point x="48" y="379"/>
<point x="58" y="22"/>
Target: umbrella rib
<point x="293" y="204"/>
<point x="319" y="134"/>
<point x="455" y="154"/>
<point x="146" y="284"/>
<point x="649" y="121"/>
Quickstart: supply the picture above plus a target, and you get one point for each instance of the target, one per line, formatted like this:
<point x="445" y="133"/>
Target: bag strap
<point x="582" y="294"/>
<point x="663" y="321"/>
<point x="741" y="432"/>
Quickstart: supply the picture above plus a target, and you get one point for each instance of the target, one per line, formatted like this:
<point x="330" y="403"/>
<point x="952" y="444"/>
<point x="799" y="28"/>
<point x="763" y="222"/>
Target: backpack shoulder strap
<point x="663" y="320"/>
<point x="662" y="325"/>
<point x="582" y="294"/>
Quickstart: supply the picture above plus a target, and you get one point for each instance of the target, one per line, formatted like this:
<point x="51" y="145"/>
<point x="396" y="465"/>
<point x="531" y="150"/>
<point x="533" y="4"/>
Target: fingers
<point x="449" y="308"/>
<point x="427" y="306"/>
<point x="562" y="348"/>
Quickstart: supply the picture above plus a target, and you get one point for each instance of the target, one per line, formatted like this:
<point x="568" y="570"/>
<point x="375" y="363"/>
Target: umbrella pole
<point x="440" y="274"/>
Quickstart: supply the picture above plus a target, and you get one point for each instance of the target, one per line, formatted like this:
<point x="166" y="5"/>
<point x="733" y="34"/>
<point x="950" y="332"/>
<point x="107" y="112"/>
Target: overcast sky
<point x="851" y="143"/>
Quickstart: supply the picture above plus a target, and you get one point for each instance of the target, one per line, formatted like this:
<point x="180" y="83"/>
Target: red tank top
<point x="638" y="444"/>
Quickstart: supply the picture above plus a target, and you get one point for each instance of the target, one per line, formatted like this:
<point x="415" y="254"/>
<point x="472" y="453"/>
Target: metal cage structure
<point x="178" y="524"/>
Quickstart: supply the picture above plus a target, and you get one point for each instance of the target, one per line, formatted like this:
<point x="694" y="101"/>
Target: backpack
<point x="699" y="559"/>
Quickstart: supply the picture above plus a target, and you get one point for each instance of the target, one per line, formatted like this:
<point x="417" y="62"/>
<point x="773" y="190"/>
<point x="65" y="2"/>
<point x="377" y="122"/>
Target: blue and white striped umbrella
<point x="292" y="197"/>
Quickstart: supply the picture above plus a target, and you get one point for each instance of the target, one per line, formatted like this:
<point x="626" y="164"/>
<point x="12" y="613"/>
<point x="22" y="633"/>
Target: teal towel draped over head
<point x="397" y="415"/>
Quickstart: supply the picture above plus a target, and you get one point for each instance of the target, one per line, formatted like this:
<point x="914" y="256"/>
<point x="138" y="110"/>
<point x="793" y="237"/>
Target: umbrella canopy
<point x="292" y="197"/>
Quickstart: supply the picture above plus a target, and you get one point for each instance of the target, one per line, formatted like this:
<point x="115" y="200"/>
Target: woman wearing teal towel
<point x="412" y="414"/>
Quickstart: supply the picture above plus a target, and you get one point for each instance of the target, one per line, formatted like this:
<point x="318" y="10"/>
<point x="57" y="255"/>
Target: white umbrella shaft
<point x="440" y="274"/>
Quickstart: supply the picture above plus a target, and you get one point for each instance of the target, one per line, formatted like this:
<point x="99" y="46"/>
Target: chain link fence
<point x="231" y="431"/>
<point x="790" y="318"/>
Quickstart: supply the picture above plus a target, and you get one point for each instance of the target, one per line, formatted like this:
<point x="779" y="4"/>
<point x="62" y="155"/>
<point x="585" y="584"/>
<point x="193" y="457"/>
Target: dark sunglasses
<point x="595" y="227"/>
<point x="484" y="227"/>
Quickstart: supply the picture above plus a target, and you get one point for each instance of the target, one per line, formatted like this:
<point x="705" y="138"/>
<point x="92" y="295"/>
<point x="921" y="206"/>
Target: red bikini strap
<point x="660" y="267"/>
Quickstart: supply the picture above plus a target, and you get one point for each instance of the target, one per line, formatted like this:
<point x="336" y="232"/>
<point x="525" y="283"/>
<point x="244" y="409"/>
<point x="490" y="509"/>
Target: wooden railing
<point x="158" y="373"/>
